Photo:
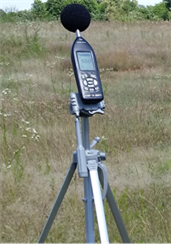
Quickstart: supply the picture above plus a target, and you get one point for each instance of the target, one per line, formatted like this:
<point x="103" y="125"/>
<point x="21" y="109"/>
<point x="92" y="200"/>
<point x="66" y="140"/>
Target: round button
<point x="95" y="82"/>
<point x="85" y="82"/>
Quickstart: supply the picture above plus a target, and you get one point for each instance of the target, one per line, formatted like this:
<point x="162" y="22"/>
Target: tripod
<point x="92" y="170"/>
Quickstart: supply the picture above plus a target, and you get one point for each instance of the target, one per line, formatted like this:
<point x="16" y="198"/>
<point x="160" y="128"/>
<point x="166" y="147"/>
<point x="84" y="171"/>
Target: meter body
<point x="86" y="71"/>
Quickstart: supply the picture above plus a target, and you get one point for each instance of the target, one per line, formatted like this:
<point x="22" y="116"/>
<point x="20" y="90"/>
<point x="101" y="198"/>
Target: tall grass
<point x="38" y="135"/>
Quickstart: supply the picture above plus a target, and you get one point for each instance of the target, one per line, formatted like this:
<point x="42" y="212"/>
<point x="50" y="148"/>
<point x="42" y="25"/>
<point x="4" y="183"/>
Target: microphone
<point x="75" y="17"/>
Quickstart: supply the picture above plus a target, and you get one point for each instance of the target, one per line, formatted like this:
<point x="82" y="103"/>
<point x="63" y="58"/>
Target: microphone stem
<point x="78" y="34"/>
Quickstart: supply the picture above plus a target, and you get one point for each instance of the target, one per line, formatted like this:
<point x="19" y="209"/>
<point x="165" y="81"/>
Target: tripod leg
<point x="57" y="203"/>
<point x="89" y="210"/>
<point x="115" y="212"/>
<point x="99" y="206"/>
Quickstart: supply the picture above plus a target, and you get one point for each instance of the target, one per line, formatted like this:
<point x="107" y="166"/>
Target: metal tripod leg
<point x="57" y="203"/>
<point x="89" y="211"/>
<point x="115" y="212"/>
<point x="99" y="206"/>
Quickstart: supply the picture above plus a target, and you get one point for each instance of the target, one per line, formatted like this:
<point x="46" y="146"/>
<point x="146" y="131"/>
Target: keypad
<point x="90" y="85"/>
<point x="90" y="82"/>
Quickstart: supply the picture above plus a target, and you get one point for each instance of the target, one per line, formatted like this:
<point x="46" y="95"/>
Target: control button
<point x="95" y="82"/>
<point x="88" y="95"/>
<point x="85" y="82"/>
<point x="98" y="95"/>
<point x="93" y="76"/>
<point x="91" y="86"/>
<point x="89" y="79"/>
<point x="86" y="88"/>
<point x="97" y="88"/>
<point x="90" y="83"/>
<point x="84" y="76"/>
<point x="92" y="89"/>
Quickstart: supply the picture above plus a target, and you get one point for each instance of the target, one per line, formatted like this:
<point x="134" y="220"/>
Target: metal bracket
<point x="93" y="163"/>
<point x="78" y="108"/>
<point x="105" y="179"/>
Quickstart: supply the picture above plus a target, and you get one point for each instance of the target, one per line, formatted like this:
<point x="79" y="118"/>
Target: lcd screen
<point x="85" y="61"/>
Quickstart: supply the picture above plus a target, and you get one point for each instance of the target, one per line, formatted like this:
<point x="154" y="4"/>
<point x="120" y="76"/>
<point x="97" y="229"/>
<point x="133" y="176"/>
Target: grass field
<point x="37" y="132"/>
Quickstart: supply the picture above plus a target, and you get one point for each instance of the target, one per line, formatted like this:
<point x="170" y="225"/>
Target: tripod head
<point x="78" y="108"/>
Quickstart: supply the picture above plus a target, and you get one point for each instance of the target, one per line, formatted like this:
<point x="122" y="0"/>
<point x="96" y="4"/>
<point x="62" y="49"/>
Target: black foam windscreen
<point x="75" y="17"/>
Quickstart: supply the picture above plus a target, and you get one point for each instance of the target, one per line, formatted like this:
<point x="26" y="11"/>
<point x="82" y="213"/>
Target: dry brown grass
<point x="38" y="135"/>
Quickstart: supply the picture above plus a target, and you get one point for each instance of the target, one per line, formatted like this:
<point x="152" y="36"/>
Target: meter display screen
<point x="85" y="61"/>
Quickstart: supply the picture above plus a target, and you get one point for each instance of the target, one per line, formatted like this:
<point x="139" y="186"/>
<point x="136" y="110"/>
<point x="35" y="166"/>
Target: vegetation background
<point x="37" y="134"/>
<point x="122" y="10"/>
